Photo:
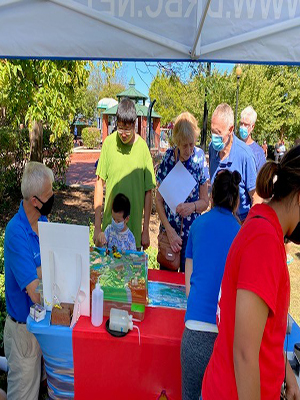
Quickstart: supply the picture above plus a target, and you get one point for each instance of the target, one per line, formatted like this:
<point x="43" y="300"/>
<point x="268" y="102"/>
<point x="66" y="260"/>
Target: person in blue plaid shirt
<point x="185" y="134"/>
<point x="117" y="233"/>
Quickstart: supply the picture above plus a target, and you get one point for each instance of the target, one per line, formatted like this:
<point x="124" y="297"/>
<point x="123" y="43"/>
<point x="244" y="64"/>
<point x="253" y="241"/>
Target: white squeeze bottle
<point x="97" y="305"/>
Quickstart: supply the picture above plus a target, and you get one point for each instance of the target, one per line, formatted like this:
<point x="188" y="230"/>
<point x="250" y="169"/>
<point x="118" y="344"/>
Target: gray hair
<point x="251" y="113"/>
<point x="224" y="111"/>
<point x="35" y="176"/>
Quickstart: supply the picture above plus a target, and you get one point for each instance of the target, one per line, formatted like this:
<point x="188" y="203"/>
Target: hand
<point x="185" y="209"/>
<point x="175" y="240"/>
<point x="293" y="392"/>
<point x="97" y="236"/>
<point x="102" y="239"/>
<point x="145" y="239"/>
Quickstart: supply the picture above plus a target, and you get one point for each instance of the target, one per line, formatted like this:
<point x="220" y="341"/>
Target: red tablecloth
<point x="119" y="368"/>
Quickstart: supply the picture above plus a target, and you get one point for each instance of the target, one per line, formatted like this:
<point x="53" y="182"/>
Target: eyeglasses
<point x="125" y="129"/>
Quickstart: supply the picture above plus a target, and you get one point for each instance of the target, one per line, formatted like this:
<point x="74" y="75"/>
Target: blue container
<point x="56" y="344"/>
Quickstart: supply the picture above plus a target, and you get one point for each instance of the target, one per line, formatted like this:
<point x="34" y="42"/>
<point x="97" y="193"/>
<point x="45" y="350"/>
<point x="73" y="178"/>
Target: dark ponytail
<point x="265" y="180"/>
<point x="225" y="191"/>
<point x="280" y="180"/>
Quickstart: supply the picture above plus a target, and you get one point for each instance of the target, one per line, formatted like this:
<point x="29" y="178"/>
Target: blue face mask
<point x="217" y="142"/>
<point x="117" y="226"/>
<point x="243" y="132"/>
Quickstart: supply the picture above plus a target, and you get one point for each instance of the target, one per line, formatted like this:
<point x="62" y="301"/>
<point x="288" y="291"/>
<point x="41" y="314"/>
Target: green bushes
<point x="14" y="153"/>
<point x="91" y="137"/>
<point x="152" y="255"/>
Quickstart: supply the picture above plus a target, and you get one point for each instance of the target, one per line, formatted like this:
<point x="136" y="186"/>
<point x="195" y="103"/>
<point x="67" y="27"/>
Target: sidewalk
<point x="81" y="172"/>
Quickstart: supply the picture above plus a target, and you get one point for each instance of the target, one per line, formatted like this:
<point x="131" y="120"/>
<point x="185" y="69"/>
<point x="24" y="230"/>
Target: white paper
<point x="65" y="258"/>
<point x="177" y="186"/>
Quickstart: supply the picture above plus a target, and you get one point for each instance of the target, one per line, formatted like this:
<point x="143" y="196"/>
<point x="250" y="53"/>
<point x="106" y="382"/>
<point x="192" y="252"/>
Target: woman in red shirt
<point x="248" y="358"/>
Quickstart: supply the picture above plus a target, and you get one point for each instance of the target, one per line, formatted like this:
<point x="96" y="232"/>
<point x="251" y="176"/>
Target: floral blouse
<point x="197" y="166"/>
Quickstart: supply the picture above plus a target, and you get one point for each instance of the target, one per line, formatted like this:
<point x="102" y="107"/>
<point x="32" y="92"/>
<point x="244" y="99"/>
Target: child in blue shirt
<point x="117" y="233"/>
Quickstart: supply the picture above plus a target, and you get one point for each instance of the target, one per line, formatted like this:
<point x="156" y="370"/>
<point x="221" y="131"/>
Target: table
<point x="56" y="345"/>
<point x="113" y="367"/>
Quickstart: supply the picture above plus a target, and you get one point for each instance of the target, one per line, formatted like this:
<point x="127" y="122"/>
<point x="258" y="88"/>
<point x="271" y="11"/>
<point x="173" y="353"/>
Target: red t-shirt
<point x="256" y="262"/>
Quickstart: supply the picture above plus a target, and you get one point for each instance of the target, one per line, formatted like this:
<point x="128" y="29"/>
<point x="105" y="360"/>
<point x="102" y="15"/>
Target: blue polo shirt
<point x="259" y="155"/>
<point x="210" y="238"/>
<point x="239" y="159"/>
<point x="21" y="259"/>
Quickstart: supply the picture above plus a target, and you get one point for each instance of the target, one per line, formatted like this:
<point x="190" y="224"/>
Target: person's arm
<point x="293" y="392"/>
<point x="202" y="203"/>
<point x="174" y="239"/>
<point x="98" y="202"/>
<point x="30" y="288"/>
<point x="147" y="212"/>
<point x="188" y="274"/>
<point x="251" y="314"/>
<point x="39" y="272"/>
<point x="186" y="209"/>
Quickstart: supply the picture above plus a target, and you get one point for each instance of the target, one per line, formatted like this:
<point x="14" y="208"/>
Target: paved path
<point x="82" y="169"/>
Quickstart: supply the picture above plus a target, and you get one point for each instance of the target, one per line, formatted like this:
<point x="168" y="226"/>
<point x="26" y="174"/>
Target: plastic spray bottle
<point x="120" y="320"/>
<point x="97" y="305"/>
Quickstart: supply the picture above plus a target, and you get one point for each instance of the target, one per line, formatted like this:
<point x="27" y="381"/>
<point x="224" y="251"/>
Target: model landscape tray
<point x="122" y="278"/>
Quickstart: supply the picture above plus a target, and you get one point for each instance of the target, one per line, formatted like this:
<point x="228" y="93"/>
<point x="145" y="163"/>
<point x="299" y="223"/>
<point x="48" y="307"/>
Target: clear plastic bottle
<point x="97" y="305"/>
<point x="120" y="320"/>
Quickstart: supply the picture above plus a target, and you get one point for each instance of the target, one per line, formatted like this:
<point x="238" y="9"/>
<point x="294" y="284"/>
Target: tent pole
<point x="149" y="121"/>
<point x="8" y="2"/>
<point x="199" y="30"/>
<point x="205" y="113"/>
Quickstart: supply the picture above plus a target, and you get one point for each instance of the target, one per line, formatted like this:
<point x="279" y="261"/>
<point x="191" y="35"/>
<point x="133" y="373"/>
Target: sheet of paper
<point x="65" y="263"/>
<point x="177" y="186"/>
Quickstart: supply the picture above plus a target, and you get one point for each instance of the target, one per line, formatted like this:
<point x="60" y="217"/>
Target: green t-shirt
<point x="126" y="169"/>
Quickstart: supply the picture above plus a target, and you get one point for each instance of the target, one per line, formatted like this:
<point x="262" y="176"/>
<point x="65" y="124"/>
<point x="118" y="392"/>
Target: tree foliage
<point x="104" y="81"/>
<point x="169" y="93"/>
<point x="273" y="91"/>
<point x="39" y="90"/>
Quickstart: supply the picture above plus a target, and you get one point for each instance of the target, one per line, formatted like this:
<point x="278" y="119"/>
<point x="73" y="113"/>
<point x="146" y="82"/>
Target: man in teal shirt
<point x="125" y="166"/>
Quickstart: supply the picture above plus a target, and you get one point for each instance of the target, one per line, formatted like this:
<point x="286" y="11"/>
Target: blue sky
<point x="143" y="73"/>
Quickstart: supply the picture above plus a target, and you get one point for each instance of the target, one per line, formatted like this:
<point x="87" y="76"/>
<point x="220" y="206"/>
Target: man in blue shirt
<point x="226" y="151"/>
<point x="247" y="124"/>
<point x="22" y="264"/>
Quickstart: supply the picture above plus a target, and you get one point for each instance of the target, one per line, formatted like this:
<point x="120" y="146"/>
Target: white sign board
<point x="65" y="264"/>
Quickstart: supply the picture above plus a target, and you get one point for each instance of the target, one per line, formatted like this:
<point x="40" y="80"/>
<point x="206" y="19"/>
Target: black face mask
<point x="46" y="207"/>
<point x="295" y="235"/>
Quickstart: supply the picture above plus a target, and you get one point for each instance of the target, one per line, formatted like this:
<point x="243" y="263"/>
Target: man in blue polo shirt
<point x="22" y="264"/>
<point x="226" y="151"/>
<point x="247" y="124"/>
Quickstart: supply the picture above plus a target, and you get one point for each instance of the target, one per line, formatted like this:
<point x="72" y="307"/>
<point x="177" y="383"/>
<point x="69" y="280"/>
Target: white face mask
<point x="117" y="226"/>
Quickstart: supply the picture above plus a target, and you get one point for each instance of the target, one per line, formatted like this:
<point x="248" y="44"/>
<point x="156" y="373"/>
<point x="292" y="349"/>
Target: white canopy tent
<point x="265" y="31"/>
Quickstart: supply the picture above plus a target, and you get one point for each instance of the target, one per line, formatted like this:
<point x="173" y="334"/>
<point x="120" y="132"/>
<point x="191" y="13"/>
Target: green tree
<point x="169" y="93"/>
<point x="273" y="91"/>
<point x="40" y="93"/>
<point x="105" y="80"/>
<point x="216" y="87"/>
